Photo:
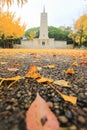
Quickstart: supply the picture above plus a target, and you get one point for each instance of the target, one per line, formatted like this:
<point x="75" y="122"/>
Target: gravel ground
<point x="15" y="101"/>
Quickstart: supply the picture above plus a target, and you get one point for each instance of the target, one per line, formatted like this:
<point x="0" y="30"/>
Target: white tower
<point x="43" y="25"/>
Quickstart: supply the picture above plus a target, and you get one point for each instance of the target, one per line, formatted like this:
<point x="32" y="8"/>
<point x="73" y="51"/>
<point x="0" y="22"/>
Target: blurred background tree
<point x="10" y="2"/>
<point x="10" y="29"/>
<point x="79" y="34"/>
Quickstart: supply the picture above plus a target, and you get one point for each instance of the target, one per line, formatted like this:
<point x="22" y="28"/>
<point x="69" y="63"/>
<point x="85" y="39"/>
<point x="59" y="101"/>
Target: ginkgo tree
<point x="10" y="2"/>
<point x="32" y="35"/>
<point x="79" y="35"/>
<point x="10" y="27"/>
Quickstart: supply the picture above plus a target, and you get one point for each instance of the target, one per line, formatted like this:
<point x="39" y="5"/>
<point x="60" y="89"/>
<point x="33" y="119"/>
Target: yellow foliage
<point x="32" y="35"/>
<point x="80" y="33"/>
<point x="81" y="22"/>
<point x="9" y="26"/>
<point x="10" y="2"/>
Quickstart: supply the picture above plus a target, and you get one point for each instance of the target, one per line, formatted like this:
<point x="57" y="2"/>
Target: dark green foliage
<point x="35" y="29"/>
<point x="8" y="43"/>
<point x="58" y="33"/>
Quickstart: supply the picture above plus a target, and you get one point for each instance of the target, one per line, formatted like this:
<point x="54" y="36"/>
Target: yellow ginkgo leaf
<point x="43" y="79"/>
<point x="13" y="78"/>
<point x="70" y="71"/>
<point x="51" y="66"/>
<point x="70" y="98"/>
<point x="4" y="63"/>
<point x="33" y="73"/>
<point x="75" y="64"/>
<point x="62" y="83"/>
<point x="16" y="64"/>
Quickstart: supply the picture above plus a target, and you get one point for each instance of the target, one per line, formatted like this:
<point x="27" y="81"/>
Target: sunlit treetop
<point x="10" y="2"/>
<point x="81" y="22"/>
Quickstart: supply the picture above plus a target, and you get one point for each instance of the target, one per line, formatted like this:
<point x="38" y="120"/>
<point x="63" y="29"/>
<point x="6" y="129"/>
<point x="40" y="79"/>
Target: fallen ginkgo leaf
<point x="13" y="78"/>
<point x="16" y="64"/>
<point x="40" y="117"/>
<point x="3" y="63"/>
<point x="51" y="66"/>
<point x="33" y="73"/>
<point x="75" y="64"/>
<point x="43" y="80"/>
<point x="70" y="71"/>
<point x="62" y="83"/>
<point x="70" y="98"/>
<point x="12" y="69"/>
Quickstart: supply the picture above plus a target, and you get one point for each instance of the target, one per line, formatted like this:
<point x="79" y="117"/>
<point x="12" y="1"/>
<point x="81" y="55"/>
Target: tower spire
<point x="44" y="9"/>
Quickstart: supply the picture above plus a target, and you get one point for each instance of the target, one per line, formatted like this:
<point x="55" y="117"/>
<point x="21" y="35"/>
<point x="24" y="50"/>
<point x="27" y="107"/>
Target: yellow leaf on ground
<point x="11" y="79"/>
<point x="50" y="66"/>
<point x="43" y="79"/>
<point x="70" y="98"/>
<point x="14" y="78"/>
<point x="75" y="64"/>
<point x="3" y="63"/>
<point x="33" y="73"/>
<point x="70" y="71"/>
<point x="62" y="83"/>
<point x="16" y="64"/>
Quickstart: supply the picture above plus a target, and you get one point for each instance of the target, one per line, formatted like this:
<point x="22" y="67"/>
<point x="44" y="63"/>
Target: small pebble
<point x="50" y="104"/>
<point x="63" y="119"/>
<point x="81" y="119"/>
<point x="73" y="127"/>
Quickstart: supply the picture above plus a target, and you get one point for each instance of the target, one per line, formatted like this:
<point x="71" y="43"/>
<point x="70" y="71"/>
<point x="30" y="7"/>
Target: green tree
<point x="53" y="32"/>
<point x="35" y="29"/>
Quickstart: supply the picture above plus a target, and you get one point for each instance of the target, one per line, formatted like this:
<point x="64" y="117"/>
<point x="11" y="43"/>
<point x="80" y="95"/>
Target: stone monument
<point x="43" y="25"/>
<point x="43" y="42"/>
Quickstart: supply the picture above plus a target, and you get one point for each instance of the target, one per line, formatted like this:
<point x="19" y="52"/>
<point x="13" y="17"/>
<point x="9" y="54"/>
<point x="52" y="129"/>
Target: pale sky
<point x="60" y="12"/>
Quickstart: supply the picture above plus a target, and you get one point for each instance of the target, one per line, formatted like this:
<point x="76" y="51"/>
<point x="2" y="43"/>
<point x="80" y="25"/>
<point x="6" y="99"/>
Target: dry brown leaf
<point x="71" y="99"/>
<point x="62" y="83"/>
<point x="40" y="117"/>
<point x="70" y="71"/>
<point x="33" y="73"/>
<point x="50" y="66"/>
<point x="43" y="79"/>
<point x="84" y="63"/>
<point x="12" y="69"/>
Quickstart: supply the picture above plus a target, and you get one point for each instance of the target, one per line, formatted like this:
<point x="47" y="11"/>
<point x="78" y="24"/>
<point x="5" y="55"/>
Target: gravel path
<point x="15" y="101"/>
